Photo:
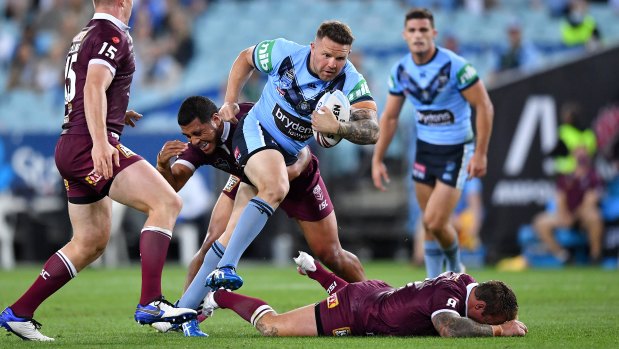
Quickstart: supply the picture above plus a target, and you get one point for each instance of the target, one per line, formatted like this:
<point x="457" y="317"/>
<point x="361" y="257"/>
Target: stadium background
<point x="187" y="47"/>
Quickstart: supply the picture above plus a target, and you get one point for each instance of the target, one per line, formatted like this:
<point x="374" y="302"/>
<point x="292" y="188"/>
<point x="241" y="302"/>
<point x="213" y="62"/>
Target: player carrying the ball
<point x="282" y="123"/>
<point x="442" y="87"/>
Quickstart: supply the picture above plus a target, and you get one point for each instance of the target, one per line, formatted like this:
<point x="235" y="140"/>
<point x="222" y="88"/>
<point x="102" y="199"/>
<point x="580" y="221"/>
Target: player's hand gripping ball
<point x="337" y="102"/>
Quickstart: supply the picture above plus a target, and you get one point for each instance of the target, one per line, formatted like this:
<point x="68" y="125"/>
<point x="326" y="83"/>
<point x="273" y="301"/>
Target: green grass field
<point x="571" y="308"/>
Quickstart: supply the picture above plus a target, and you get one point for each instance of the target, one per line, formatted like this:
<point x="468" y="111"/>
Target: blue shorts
<point x="250" y="137"/>
<point x="446" y="163"/>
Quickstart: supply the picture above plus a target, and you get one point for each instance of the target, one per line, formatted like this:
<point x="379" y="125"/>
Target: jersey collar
<point x="109" y="17"/>
<point x="226" y="133"/>
<point x="469" y="288"/>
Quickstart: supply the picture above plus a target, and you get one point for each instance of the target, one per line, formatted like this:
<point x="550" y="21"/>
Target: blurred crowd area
<point x="186" y="47"/>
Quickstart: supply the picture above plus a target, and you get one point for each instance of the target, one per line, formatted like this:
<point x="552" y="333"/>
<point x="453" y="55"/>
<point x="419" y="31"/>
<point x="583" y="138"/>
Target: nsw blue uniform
<point x="442" y="114"/>
<point x="290" y="95"/>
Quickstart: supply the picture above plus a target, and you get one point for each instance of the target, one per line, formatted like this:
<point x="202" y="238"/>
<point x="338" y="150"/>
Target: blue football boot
<point x="192" y="329"/>
<point x="224" y="277"/>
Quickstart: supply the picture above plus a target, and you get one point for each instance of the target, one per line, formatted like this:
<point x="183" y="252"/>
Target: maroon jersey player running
<point x="450" y="305"/>
<point x="97" y="169"/>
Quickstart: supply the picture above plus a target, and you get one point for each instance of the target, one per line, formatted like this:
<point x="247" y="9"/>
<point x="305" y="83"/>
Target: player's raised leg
<point x="323" y="240"/>
<point x="140" y="186"/>
<point x="307" y="265"/>
<point x="267" y="171"/>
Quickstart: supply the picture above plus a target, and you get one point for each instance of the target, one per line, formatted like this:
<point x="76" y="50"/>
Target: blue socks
<point x="433" y="257"/>
<point x="251" y="222"/>
<point x="452" y="255"/>
<point x="197" y="290"/>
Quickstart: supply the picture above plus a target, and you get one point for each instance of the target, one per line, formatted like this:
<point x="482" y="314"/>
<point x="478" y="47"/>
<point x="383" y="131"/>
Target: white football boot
<point x="305" y="263"/>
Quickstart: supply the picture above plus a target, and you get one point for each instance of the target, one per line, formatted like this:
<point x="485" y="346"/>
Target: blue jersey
<point x="292" y="91"/>
<point x="443" y="115"/>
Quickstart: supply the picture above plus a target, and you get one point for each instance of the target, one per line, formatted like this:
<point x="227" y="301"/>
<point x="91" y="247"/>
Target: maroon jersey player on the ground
<point x="450" y="305"/>
<point x="308" y="202"/>
<point x="97" y="169"/>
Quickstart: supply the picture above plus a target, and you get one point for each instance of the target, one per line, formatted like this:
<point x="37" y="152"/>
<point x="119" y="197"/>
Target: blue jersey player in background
<point x="281" y="124"/>
<point x="442" y="87"/>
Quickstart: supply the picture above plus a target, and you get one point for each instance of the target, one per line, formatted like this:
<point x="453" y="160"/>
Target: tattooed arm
<point x="362" y="127"/>
<point x="449" y="324"/>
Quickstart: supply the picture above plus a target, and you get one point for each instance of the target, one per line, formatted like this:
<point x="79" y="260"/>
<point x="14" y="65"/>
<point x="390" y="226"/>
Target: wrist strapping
<point x="497" y="330"/>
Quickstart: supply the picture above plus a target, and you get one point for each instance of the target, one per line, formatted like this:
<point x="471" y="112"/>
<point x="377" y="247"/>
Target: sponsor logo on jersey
<point x="93" y="178"/>
<point x="285" y="81"/>
<point x="264" y="55"/>
<point x="435" y="117"/>
<point x="317" y="191"/>
<point x="115" y="40"/>
<point x="342" y="331"/>
<point x="125" y="151"/>
<point x="360" y="90"/>
<point x="331" y="287"/>
<point x="332" y="301"/>
<point x="466" y="75"/>
<point x="233" y="181"/>
<point x="292" y="126"/>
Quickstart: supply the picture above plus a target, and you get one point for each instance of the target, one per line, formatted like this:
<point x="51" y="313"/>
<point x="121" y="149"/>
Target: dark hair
<point x="196" y="107"/>
<point x="419" y="13"/>
<point x="336" y="31"/>
<point x="500" y="299"/>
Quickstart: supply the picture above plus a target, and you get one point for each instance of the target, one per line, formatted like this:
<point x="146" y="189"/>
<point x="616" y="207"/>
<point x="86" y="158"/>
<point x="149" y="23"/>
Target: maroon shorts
<point x="308" y="198"/>
<point x="74" y="162"/>
<point x="338" y="315"/>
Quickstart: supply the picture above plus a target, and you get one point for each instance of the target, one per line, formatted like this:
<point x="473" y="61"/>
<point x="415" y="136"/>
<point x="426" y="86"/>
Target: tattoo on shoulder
<point x="362" y="127"/>
<point x="449" y="324"/>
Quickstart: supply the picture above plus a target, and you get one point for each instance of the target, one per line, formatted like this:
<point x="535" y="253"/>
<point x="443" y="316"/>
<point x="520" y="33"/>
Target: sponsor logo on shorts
<point x="323" y="205"/>
<point x="419" y="170"/>
<point x="292" y="126"/>
<point x="233" y="181"/>
<point x="237" y="154"/>
<point x="93" y="178"/>
<point x="435" y="117"/>
<point x="125" y="151"/>
<point x="66" y="184"/>
<point x="318" y="192"/>
<point x="332" y="301"/>
<point x="342" y="331"/>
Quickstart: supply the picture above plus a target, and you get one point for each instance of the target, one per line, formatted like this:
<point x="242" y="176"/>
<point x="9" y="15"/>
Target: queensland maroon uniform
<point x="375" y="308"/>
<point x="105" y="40"/>
<point x="307" y="199"/>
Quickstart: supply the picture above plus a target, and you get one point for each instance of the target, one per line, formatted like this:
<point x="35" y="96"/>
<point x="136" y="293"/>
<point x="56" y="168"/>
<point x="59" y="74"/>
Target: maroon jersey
<point x="307" y="199"/>
<point x="575" y="187"/>
<point x="105" y="40"/>
<point x="375" y="308"/>
<point x="222" y="157"/>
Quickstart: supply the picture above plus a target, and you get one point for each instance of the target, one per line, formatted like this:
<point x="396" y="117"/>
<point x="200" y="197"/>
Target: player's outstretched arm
<point x="449" y="324"/>
<point x="363" y="125"/>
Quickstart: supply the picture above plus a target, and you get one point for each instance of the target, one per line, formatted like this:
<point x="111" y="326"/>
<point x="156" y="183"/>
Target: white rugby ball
<point x="337" y="102"/>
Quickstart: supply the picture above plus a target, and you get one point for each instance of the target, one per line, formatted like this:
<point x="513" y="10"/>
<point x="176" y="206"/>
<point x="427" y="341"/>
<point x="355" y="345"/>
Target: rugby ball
<point x="337" y="102"/>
